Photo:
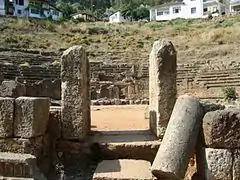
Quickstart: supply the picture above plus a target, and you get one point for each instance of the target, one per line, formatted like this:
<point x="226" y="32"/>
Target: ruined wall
<point x="23" y="129"/>
<point x="219" y="157"/>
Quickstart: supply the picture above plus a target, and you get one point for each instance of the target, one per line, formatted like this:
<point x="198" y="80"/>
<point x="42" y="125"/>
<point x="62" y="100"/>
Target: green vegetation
<point x="229" y="93"/>
<point x="137" y="9"/>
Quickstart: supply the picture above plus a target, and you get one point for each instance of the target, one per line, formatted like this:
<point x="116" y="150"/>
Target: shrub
<point x="229" y="93"/>
<point x="98" y="30"/>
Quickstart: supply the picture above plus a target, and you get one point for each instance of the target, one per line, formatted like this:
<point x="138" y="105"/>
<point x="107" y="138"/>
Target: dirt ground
<point x="119" y="118"/>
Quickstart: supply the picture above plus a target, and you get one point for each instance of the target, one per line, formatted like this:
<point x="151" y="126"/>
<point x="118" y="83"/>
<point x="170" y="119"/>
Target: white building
<point x="41" y="9"/>
<point x="186" y="9"/>
<point x="2" y="7"/>
<point x="117" y="18"/>
<point x="234" y="6"/>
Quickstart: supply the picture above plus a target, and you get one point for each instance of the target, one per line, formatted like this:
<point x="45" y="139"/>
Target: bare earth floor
<point x="119" y="118"/>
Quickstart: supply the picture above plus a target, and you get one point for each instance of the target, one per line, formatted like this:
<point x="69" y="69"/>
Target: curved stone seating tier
<point x="223" y="85"/>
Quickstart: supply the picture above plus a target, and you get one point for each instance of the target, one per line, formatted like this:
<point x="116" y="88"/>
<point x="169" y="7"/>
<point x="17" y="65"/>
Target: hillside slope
<point x="195" y="40"/>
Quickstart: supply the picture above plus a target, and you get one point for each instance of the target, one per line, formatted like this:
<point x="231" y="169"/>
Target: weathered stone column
<point x="162" y="85"/>
<point x="179" y="140"/>
<point x="75" y="94"/>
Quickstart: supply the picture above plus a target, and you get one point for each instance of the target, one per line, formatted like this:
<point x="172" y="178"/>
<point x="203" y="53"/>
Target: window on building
<point x="166" y="12"/>
<point x="193" y="10"/>
<point x="214" y="9"/>
<point x="19" y="11"/>
<point x="205" y="9"/>
<point x="56" y="13"/>
<point x="34" y="11"/>
<point x="176" y="10"/>
<point x="20" y="2"/>
<point x="159" y="13"/>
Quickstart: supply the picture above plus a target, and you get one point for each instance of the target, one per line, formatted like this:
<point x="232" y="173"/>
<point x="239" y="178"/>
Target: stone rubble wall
<point x="220" y="154"/>
<point x="23" y="130"/>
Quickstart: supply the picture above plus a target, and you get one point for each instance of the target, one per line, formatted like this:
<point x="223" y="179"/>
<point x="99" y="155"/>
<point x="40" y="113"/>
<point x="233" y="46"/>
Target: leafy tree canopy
<point x="136" y="9"/>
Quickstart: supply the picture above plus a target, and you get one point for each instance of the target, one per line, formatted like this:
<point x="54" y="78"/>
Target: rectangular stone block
<point x="12" y="89"/>
<point x="236" y="165"/>
<point x="12" y="162"/>
<point x="123" y="169"/>
<point x="75" y="94"/>
<point x="54" y="125"/>
<point x="218" y="164"/>
<point x="31" y="117"/>
<point x="19" y="145"/>
<point x="6" y="117"/>
<point x="221" y="129"/>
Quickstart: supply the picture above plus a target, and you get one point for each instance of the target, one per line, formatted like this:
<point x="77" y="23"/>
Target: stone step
<point x="140" y="144"/>
<point x="17" y="165"/>
<point x="222" y="85"/>
<point x="123" y="169"/>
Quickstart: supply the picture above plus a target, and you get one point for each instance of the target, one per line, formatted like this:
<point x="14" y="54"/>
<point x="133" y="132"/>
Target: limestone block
<point x="123" y="169"/>
<point x="221" y="128"/>
<point x="54" y="125"/>
<point x="179" y="140"/>
<point x="19" y="145"/>
<point x="236" y="165"/>
<point x="31" y="117"/>
<point x="12" y="89"/>
<point x="6" y="117"/>
<point x="162" y="85"/>
<point x="75" y="93"/>
<point x="218" y="164"/>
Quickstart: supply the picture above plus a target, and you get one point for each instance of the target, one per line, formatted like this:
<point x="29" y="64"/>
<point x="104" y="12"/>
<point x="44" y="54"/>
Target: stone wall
<point x="23" y="129"/>
<point x="219" y="157"/>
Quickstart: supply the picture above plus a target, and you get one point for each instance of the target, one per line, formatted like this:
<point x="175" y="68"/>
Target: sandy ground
<point x="119" y="118"/>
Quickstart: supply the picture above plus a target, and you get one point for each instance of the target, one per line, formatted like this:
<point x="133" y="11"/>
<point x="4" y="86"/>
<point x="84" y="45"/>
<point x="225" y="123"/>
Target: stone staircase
<point x="121" y="151"/>
<point x="14" y="166"/>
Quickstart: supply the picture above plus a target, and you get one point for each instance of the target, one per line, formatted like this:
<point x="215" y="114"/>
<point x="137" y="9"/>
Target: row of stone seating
<point x="219" y="78"/>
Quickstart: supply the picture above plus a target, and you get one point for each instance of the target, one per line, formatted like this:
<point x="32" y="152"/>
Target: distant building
<point x="234" y="5"/>
<point x="186" y="9"/>
<point x="118" y="18"/>
<point x="41" y="9"/>
<point x="84" y="16"/>
<point x="2" y="7"/>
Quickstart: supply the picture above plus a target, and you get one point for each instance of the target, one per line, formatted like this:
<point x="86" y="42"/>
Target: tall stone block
<point x="6" y="117"/>
<point x="162" y="85"/>
<point x="75" y="94"/>
<point x="31" y="116"/>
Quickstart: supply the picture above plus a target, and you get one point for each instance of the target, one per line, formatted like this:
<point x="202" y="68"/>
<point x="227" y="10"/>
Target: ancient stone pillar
<point x="162" y="85"/>
<point x="179" y="141"/>
<point x="76" y="122"/>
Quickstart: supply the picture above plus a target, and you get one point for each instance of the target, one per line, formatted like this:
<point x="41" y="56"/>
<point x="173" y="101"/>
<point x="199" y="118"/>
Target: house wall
<point x="184" y="13"/>
<point x="20" y="10"/>
<point x="29" y="13"/>
<point x="234" y="3"/>
<point x="116" y="18"/>
<point x="2" y="7"/>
